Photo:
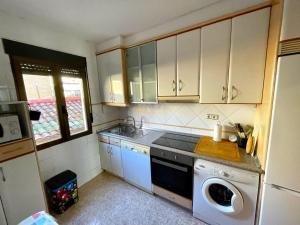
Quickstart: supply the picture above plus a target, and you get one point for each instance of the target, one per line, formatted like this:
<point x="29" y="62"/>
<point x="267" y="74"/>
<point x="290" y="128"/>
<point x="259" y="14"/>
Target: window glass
<point x="74" y="97"/>
<point x="41" y="97"/>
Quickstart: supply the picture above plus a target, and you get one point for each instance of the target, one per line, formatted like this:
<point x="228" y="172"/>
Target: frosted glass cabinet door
<point x="134" y="75"/>
<point x="148" y="69"/>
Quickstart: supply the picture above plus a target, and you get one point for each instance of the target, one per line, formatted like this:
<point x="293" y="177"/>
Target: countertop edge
<point x="243" y="165"/>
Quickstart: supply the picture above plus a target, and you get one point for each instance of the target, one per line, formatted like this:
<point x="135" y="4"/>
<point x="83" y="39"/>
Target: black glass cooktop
<point x="178" y="141"/>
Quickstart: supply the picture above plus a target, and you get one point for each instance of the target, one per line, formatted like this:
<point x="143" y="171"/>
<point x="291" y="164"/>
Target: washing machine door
<point x="223" y="196"/>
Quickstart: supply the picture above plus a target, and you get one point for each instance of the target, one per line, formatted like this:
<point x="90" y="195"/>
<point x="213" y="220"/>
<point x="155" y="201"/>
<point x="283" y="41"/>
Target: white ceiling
<point x="99" y="20"/>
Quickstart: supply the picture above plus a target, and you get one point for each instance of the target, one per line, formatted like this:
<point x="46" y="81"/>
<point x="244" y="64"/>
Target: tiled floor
<point x="108" y="200"/>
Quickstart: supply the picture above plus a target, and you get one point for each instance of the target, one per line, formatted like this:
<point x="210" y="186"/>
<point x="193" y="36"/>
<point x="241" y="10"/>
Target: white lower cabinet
<point x="105" y="156"/>
<point x="136" y="165"/>
<point x="130" y="161"/>
<point x="111" y="159"/>
<point x="20" y="189"/>
<point x="116" y="160"/>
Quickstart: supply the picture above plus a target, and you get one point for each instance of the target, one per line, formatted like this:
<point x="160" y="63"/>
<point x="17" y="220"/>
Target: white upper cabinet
<point x="291" y="17"/>
<point x="188" y="53"/>
<point x="247" y="57"/>
<point x="111" y="77"/>
<point x="104" y="78"/>
<point x="116" y="76"/>
<point x="166" y="66"/>
<point x="214" y="63"/>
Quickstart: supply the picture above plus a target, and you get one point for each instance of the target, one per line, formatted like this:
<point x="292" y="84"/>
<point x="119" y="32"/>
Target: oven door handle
<point x="181" y="168"/>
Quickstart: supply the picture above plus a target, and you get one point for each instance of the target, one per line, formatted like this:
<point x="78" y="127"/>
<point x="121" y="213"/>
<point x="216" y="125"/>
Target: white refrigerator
<point x="281" y="191"/>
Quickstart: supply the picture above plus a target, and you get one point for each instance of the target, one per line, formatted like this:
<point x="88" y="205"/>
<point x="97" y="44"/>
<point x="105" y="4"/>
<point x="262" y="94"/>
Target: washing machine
<point x="224" y="195"/>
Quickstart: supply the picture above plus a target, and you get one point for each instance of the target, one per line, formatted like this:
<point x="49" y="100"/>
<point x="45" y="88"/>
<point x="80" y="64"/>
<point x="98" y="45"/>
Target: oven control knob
<point x="223" y="173"/>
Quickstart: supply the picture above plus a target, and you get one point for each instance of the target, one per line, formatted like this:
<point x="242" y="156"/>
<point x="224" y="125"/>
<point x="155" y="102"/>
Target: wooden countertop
<point x="224" y="150"/>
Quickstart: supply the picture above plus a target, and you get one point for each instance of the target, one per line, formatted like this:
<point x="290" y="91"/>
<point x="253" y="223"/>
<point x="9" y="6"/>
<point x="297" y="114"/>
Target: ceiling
<point x="99" y="20"/>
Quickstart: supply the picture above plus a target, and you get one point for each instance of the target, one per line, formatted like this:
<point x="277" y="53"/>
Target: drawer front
<point x="115" y="141"/>
<point x="103" y="138"/>
<point x="14" y="150"/>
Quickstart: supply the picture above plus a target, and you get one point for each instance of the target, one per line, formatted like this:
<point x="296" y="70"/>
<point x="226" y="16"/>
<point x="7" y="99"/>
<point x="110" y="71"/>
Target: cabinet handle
<point x="174" y="85"/>
<point x="233" y="96"/>
<point x="224" y="95"/>
<point x="2" y="174"/>
<point x="180" y="85"/>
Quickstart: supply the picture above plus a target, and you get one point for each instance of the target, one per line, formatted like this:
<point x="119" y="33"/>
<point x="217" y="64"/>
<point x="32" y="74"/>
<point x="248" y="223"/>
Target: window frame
<point x="59" y="94"/>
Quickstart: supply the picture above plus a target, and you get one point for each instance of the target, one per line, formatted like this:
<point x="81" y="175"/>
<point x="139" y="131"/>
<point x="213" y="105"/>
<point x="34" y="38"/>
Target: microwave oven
<point x="9" y="128"/>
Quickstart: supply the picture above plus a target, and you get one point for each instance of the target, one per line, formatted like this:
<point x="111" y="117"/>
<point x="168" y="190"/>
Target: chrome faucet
<point x="132" y="119"/>
<point x="141" y="123"/>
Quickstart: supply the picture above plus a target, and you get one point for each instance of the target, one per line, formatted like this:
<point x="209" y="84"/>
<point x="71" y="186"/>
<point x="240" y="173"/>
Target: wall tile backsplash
<point x="191" y="117"/>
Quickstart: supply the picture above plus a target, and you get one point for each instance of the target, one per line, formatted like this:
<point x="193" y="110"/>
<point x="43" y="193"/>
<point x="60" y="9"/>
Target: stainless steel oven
<point x="172" y="173"/>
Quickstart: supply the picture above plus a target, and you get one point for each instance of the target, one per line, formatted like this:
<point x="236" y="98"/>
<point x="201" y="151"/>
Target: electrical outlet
<point x="212" y="116"/>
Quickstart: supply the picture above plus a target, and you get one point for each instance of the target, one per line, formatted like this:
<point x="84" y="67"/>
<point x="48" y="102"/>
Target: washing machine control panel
<point x="221" y="172"/>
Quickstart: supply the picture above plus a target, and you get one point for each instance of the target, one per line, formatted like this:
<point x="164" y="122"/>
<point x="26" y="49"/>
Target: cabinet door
<point x="166" y="66"/>
<point x="104" y="77"/>
<point x="105" y="156"/>
<point x="290" y="22"/>
<point x="21" y="192"/>
<point x="134" y="74"/>
<point x="115" y="70"/>
<point x="148" y="70"/>
<point x="188" y="58"/>
<point x="2" y="214"/>
<point x="214" y="63"/>
<point x="116" y="160"/>
<point x="247" y="57"/>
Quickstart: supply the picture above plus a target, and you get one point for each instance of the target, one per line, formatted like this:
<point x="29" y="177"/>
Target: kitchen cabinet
<point x="116" y="160"/>
<point x="136" y="165"/>
<point x="112" y="77"/>
<point x="20" y="189"/>
<point x="141" y="71"/>
<point x="2" y="214"/>
<point x="247" y="56"/>
<point x="215" y="53"/>
<point x="111" y="159"/>
<point x="105" y="156"/>
<point x="290" y="22"/>
<point x="188" y="58"/>
<point x="166" y="66"/>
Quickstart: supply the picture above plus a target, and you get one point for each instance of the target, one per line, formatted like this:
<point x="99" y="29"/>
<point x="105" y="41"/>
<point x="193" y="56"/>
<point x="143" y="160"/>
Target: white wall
<point x="80" y="155"/>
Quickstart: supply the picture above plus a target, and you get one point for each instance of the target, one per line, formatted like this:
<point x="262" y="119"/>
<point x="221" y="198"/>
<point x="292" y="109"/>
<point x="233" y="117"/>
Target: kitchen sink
<point x="127" y="131"/>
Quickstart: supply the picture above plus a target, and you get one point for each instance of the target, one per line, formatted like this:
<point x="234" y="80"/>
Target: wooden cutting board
<point x="223" y="150"/>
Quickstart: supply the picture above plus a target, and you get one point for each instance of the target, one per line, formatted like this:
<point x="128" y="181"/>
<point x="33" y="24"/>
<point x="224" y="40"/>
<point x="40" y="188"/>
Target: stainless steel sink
<point x="127" y="131"/>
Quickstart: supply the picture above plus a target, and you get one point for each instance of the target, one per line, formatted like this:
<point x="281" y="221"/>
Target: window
<point x="60" y="93"/>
